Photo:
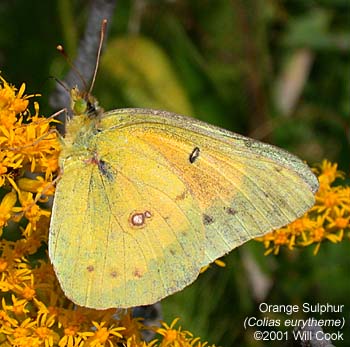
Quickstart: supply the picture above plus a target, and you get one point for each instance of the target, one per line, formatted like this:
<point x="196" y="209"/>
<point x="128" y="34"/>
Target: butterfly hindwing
<point x="128" y="237"/>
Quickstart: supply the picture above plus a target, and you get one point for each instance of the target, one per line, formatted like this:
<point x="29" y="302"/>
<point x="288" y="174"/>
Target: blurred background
<point x="275" y="70"/>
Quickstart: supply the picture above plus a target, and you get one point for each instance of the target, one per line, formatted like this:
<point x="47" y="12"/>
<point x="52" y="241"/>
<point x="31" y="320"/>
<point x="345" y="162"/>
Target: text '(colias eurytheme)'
<point x="147" y="198"/>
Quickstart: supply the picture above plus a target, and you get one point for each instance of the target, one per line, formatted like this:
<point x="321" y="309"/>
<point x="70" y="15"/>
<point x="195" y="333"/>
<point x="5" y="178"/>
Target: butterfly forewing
<point x="244" y="188"/>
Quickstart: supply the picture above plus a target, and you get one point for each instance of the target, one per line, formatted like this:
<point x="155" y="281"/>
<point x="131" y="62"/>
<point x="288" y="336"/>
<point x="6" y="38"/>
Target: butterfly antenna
<point x="65" y="55"/>
<point x="61" y="83"/>
<point x="102" y="36"/>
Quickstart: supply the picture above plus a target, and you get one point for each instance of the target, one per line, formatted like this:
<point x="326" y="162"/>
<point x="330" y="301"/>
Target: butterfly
<point x="147" y="198"/>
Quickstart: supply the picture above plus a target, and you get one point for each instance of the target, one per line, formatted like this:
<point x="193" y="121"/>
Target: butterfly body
<point x="148" y="197"/>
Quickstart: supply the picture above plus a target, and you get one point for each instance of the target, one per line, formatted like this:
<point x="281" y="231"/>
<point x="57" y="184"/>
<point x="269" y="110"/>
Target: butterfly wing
<point x="159" y="195"/>
<point x="125" y="230"/>
<point x="244" y="188"/>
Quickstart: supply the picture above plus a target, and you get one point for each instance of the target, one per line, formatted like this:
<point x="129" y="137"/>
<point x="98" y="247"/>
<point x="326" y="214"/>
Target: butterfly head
<point x="84" y="104"/>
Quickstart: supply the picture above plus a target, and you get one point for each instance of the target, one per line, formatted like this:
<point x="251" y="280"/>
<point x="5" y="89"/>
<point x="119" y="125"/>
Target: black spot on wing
<point x="230" y="210"/>
<point x="207" y="219"/>
<point x="137" y="273"/>
<point x="90" y="268"/>
<point x="194" y="155"/>
<point x="114" y="274"/>
<point x="181" y="196"/>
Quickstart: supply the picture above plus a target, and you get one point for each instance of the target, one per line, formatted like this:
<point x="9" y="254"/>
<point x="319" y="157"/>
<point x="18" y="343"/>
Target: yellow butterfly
<point x="148" y="197"/>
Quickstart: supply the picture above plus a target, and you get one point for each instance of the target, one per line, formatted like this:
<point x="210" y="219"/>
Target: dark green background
<point x="227" y="57"/>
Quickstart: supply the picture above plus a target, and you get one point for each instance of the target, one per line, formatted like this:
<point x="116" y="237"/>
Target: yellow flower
<point x="18" y="307"/>
<point x="6" y="208"/>
<point x="328" y="200"/>
<point x="22" y="334"/>
<point x="21" y="330"/>
<point x="31" y="210"/>
<point x="339" y="221"/>
<point x="72" y="338"/>
<point x="6" y="321"/>
<point x="133" y="326"/>
<point x="328" y="173"/>
<point x="177" y="337"/>
<point x="104" y="336"/>
<point x="11" y="103"/>
<point x="44" y="331"/>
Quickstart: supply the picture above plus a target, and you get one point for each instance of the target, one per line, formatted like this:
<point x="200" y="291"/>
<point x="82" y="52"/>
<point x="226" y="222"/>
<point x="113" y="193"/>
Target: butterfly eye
<point x="90" y="107"/>
<point x="80" y="106"/>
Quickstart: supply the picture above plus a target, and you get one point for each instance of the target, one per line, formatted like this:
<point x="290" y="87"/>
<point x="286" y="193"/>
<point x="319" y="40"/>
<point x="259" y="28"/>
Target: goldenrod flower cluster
<point x="327" y="220"/>
<point x="33" y="310"/>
